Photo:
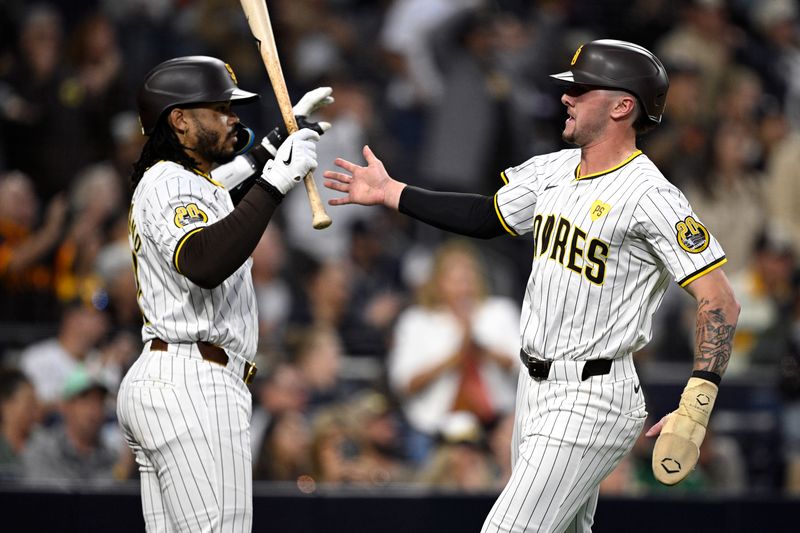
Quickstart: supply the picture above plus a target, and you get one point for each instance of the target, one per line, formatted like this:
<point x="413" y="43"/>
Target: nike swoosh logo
<point x="550" y="187"/>
<point x="636" y="388"/>
<point x="289" y="159"/>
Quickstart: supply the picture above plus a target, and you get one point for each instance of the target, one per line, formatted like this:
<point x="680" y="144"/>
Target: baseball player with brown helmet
<point x="184" y="405"/>
<point x="610" y="232"/>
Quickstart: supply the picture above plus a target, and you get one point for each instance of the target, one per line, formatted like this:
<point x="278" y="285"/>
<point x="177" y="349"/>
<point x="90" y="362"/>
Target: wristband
<point x="713" y="377"/>
<point x="271" y="189"/>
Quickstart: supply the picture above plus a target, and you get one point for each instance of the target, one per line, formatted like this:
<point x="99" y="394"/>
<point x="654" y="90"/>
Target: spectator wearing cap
<point x="48" y="363"/>
<point x="18" y="417"/>
<point x="74" y="448"/>
<point x="375" y="433"/>
<point x="461" y="459"/>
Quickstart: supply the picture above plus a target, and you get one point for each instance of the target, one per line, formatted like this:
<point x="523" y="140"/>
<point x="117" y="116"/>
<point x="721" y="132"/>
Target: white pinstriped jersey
<point x="606" y="246"/>
<point x="169" y="204"/>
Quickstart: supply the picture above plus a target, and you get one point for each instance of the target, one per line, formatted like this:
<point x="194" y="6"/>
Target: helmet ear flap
<point x="245" y="139"/>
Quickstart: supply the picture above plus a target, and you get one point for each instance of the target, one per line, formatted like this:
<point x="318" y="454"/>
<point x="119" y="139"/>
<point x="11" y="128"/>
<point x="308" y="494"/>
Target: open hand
<point x="370" y="185"/>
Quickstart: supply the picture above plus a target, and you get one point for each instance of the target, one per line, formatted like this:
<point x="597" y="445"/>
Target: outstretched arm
<point x="472" y="215"/>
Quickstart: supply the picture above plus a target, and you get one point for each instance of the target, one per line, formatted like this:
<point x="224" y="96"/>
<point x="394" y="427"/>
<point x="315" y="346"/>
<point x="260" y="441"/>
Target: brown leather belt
<point x="211" y="353"/>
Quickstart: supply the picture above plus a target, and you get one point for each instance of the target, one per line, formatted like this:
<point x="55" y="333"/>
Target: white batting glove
<point x="295" y="158"/>
<point x="313" y="100"/>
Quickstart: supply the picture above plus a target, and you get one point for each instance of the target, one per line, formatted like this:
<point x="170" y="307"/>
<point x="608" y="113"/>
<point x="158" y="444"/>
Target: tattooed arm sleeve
<point x="681" y="432"/>
<point x="717" y="313"/>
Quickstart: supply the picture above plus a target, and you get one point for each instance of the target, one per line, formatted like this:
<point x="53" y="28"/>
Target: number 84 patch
<point x="189" y="214"/>
<point x="692" y="235"/>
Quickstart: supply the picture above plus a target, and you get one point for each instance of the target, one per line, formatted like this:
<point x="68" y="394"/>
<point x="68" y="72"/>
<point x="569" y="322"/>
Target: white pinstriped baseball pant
<point x="568" y="435"/>
<point x="187" y="421"/>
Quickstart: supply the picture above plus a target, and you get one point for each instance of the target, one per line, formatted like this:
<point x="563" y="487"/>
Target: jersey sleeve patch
<point x="189" y="214"/>
<point x="691" y="235"/>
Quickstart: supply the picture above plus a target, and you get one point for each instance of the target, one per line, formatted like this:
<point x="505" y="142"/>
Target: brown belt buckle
<point x="249" y="373"/>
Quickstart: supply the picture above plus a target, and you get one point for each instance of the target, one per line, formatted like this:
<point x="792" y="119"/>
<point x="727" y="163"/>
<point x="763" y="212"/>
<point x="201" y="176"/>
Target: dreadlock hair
<point x="162" y="145"/>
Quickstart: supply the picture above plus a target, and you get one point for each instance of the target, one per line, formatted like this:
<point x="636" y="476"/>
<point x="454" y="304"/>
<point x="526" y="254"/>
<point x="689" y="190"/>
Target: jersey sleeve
<point x="515" y="202"/>
<point x="665" y="220"/>
<point x="174" y="208"/>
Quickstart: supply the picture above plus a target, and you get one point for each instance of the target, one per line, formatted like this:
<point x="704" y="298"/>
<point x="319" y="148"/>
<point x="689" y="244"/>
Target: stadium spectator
<point x="94" y="54"/>
<point x="50" y="362"/>
<point x="378" y="293"/>
<point x="374" y="429"/>
<point x="273" y="294"/>
<point x="318" y="358"/>
<point x="18" y="417"/>
<point x="766" y="291"/>
<point x="788" y="371"/>
<point x="73" y="449"/>
<point x="285" y="449"/>
<point x="704" y="38"/>
<point x="27" y="250"/>
<point x="457" y="349"/>
<point x="731" y="197"/>
<point x="782" y="187"/>
<point x="460" y="460"/>
<point x="44" y="130"/>
<point x="281" y="390"/>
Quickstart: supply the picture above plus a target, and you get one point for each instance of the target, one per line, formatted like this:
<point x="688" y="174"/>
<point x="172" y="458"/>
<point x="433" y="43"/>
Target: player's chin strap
<point x="678" y="446"/>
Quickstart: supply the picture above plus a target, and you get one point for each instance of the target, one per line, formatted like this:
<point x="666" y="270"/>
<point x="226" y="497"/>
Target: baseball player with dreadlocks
<point x="184" y="405"/>
<point x="609" y="232"/>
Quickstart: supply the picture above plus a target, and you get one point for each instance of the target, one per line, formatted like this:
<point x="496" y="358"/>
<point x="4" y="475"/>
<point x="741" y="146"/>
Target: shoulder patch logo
<point x="599" y="209"/>
<point x="575" y="57"/>
<point x="692" y="236"/>
<point x="189" y="214"/>
<point x="230" y="71"/>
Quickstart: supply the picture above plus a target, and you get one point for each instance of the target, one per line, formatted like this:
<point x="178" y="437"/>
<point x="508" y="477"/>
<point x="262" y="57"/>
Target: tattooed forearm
<point x="714" y="336"/>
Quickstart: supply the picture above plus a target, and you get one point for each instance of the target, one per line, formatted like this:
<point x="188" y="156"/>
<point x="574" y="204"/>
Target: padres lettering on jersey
<point x="600" y="241"/>
<point x="169" y="205"/>
<point x="568" y="245"/>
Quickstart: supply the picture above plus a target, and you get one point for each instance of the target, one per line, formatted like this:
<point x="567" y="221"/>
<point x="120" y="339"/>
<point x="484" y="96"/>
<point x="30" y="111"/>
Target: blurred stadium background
<point x="448" y="93"/>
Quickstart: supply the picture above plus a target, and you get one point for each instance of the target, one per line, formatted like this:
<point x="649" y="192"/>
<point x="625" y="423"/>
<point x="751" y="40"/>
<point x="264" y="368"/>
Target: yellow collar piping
<point x="603" y="172"/>
<point x="208" y="177"/>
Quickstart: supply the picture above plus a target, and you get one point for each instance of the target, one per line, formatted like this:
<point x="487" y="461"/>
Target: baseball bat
<point x="255" y="11"/>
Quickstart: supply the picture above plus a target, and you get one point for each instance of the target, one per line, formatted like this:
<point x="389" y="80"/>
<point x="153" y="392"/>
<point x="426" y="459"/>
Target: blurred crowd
<point x="388" y="350"/>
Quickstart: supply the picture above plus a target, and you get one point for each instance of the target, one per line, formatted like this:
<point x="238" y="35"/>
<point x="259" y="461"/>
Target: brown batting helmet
<point x="187" y="80"/>
<point x="612" y="64"/>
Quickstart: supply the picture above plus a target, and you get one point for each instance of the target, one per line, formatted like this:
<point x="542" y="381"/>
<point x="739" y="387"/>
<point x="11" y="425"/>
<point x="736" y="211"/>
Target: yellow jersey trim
<point x="627" y="160"/>
<point x="703" y="271"/>
<point x="500" y="217"/>
<point x="180" y="245"/>
<point x="504" y="177"/>
<point x="208" y="177"/>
